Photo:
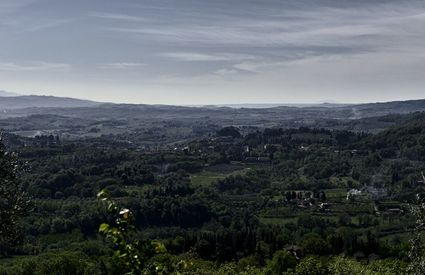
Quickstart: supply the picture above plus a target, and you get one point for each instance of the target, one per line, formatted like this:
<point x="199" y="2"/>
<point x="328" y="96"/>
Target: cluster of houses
<point x="308" y="200"/>
<point x="305" y="199"/>
<point x="374" y="192"/>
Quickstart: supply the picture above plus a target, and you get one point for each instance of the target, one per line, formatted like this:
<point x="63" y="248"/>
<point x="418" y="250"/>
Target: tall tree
<point x="14" y="202"/>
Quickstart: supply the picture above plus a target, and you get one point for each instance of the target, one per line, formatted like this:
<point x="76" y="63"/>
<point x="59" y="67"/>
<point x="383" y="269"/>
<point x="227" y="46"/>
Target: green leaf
<point x="104" y="228"/>
<point x="111" y="207"/>
<point x="103" y="194"/>
<point x="159" y="247"/>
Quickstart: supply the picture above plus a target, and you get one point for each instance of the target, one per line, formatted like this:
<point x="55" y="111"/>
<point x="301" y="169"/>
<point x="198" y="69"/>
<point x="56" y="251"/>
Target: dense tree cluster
<point x="13" y="202"/>
<point x="273" y="201"/>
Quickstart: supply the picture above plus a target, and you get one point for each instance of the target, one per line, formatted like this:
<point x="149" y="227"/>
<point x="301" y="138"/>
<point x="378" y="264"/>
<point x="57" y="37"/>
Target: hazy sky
<point x="214" y="51"/>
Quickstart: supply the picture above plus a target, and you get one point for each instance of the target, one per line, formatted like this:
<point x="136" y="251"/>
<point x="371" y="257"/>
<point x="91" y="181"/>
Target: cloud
<point x="45" y="24"/>
<point x="194" y="56"/>
<point x="314" y="29"/>
<point x="14" y="5"/>
<point x="122" y="65"/>
<point x="226" y="71"/>
<point x="34" y="67"/>
<point x="262" y="36"/>
<point x="250" y="66"/>
<point x="221" y="46"/>
<point x="13" y="17"/>
<point x="117" y="16"/>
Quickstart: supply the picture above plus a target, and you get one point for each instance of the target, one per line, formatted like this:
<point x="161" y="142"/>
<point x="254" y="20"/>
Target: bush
<point x="311" y="266"/>
<point x="281" y="262"/>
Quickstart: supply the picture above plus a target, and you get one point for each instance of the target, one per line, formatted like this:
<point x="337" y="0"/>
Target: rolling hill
<point x="7" y="94"/>
<point x="33" y="101"/>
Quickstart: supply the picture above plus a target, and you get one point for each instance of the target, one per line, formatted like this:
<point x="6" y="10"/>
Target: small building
<point x="295" y="250"/>
<point x="263" y="159"/>
<point x="304" y="148"/>
<point x="353" y="193"/>
<point x="305" y="203"/>
<point x="324" y="206"/>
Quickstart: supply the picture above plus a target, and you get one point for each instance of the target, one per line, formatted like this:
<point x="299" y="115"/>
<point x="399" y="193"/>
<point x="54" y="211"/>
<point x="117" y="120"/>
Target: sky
<point x="214" y="52"/>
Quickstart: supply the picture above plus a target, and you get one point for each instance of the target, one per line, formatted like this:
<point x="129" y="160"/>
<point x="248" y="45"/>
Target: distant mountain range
<point x="7" y="94"/>
<point x="8" y="102"/>
<point x="273" y="105"/>
<point x="76" y="118"/>
<point x="251" y="114"/>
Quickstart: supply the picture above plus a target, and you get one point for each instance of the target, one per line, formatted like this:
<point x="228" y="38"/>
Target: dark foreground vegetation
<point x="272" y="201"/>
